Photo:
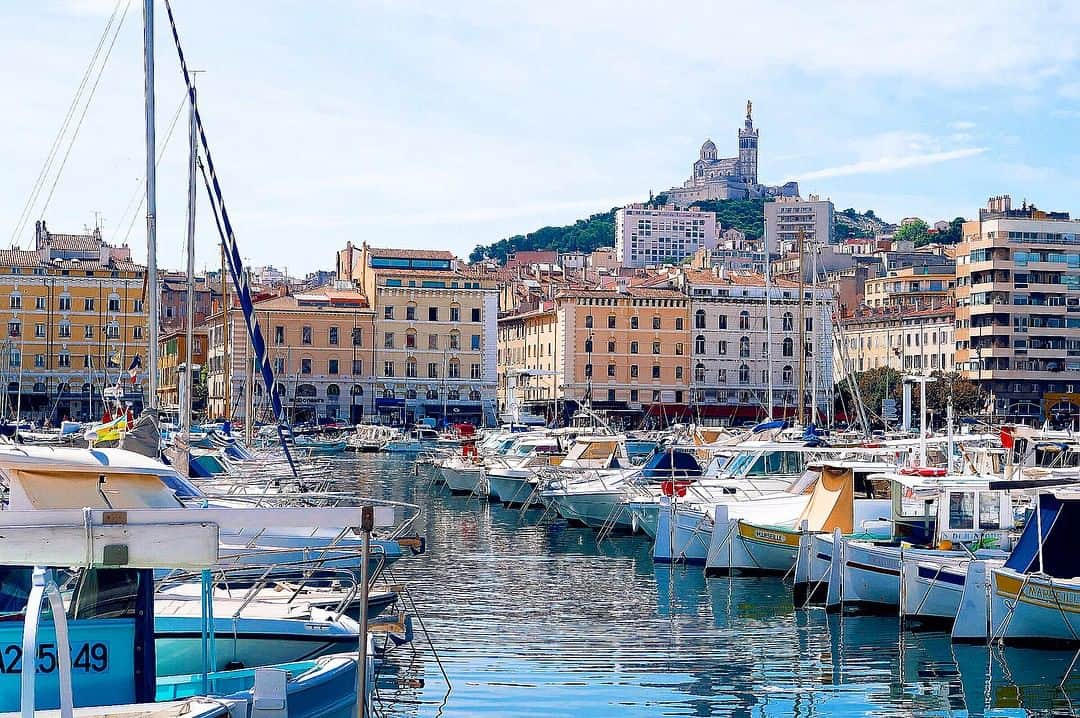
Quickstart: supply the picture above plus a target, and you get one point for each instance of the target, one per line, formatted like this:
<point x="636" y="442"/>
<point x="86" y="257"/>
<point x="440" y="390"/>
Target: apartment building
<point x="174" y="299"/>
<point x="75" y="319"/>
<point x="436" y="332"/>
<point x="733" y="345"/>
<point x="320" y="345"/>
<point x="647" y="236"/>
<point x="172" y="354"/>
<point x="912" y="339"/>
<point x="625" y="349"/>
<point x="788" y="217"/>
<point x="921" y="286"/>
<point x="1018" y="308"/>
<point x="528" y="342"/>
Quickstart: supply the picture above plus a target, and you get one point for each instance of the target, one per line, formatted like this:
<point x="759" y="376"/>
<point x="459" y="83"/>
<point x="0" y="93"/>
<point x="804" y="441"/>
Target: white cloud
<point x="892" y="163"/>
<point x="962" y="125"/>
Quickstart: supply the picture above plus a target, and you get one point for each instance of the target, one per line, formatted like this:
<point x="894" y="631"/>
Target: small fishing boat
<point x="416" y="440"/>
<point x="319" y="446"/>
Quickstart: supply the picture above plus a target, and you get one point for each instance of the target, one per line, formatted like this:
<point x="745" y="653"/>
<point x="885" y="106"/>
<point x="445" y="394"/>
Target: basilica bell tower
<point x="748" y="147"/>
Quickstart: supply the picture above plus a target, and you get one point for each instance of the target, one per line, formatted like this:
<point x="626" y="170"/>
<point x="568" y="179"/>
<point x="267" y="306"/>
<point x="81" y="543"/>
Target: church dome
<point x="708" y="150"/>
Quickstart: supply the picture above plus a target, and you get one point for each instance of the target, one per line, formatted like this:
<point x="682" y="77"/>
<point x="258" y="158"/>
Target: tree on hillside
<point x="916" y="231"/>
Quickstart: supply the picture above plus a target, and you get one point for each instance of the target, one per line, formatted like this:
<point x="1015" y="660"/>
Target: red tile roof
<point x="19" y="258"/>
<point x="74" y="242"/>
<point x="411" y="253"/>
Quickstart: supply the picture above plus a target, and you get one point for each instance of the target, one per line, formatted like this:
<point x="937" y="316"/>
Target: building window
<point x="332" y="366"/>
<point x="744" y="320"/>
<point x="721" y="321"/>
<point x="388" y="312"/>
<point x="279" y="334"/>
<point x="789" y="322"/>
<point x="588" y="321"/>
<point x="433" y="314"/>
<point x="611" y="395"/>
<point x="432" y="370"/>
<point x="279" y="366"/>
<point x="388" y="340"/>
<point x="333" y="336"/>
<point x="633" y="371"/>
<point x="14" y="329"/>
<point x="410" y="312"/>
<point x="656" y="322"/>
<point x="699" y="344"/>
<point x="744" y="374"/>
<point x="656" y="347"/>
<point x="114" y="303"/>
<point x="475" y="371"/>
<point x="679" y="372"/>
<point x="388" y="368"/>
<point x="721" y="348"/>
<point x="655" y="371"/>
<point x="65" y="303"/>
<point x="39" y="303"/>
<point x="136" y="331"/>
<point x="744" y="347"/>
<point x="476" y="315"/>
<point x="88" y="362"/>
<point x="39" y="361"/>
<point x="611" y="321"/>
<point x="455" y="314"/>
<point x="64" y="360"/>
<point x="410" y="339"/>
<point x="410" y="368"/>
<point x="678" y="323"/>
<point x="699" y="319"/>
<point x="633" y="322"/>
<point x="588" y="370"/>
<point x="112" y="331"/>
<point x="633" y="347"/>
<point x="39" y="330"/>
<point x="65" y="329"/>
<point x="15" y="301"/>
<point x="454" y="368"/>
<point x="678" y="349"/>
<point x="611" y="370"/>
<point x="787" y="374"/>
<point x="455" y="340"/>
<point x="305" y="366"/>
<point x="474" y="342"/>
<point x="699" y="373"/>
<point x="305" y="336"/>
<point x="357" y="336"/>
<point x="789" y="347"/>
<point x="357" y="367"/>
<point x="634" y="395"/>
<point x="138" y="306"/>
<point x="433" y="341"/>
<point x="14" y="358"/>
<point x="88" y="304"/>
<point x="453" y="394"/>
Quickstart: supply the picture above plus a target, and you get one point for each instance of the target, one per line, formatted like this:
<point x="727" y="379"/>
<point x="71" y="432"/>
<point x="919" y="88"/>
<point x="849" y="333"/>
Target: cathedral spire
<point x="749" y="115"/>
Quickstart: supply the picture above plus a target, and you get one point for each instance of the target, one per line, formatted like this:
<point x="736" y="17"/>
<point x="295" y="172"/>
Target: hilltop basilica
<point x="729" y="177"/>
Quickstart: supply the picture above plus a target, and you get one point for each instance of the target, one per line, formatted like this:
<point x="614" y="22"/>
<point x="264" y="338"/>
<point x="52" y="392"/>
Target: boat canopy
<point x="666" y="464"/>
<point x="54" y="488"/>
<point x="1060" y="521"/>
<point x="831" y="504"/>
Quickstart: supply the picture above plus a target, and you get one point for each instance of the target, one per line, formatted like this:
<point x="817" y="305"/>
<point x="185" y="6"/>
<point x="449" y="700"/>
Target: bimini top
<point x="1059" y="518"/>
<point x="48" y="478"/>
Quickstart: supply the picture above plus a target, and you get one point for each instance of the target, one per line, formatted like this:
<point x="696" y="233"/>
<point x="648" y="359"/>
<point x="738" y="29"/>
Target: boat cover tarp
<point x="666" y="464"/>
<point x="831" y="504"/>
<point x="145" y="436"/>
<point x="65" y="489"/>
<point x="1060" y="521"/>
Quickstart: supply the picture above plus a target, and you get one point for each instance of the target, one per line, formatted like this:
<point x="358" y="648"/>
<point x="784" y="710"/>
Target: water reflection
<point x="536" y="619"/>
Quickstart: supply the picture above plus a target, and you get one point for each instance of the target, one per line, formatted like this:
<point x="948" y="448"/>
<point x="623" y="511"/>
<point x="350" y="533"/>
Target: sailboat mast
<point x="151" y="207"/>
<point x="768" y="330"/>
<point x="801" y="410"/>
<point x="189" y="329"/>
<point x="815" y="327"/>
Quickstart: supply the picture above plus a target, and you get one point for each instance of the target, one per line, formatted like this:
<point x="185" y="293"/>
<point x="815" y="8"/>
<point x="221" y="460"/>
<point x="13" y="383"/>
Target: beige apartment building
<point x="528" y="343"/>
<point x="320" y="345"/>
<point x="75" y="319"/>
<point x="1018" y="309"/>
<point x="909" y="339"/>
<point x="172" y="354"/>
<point x="435" y="333"/>
<point x="912" y="286"/>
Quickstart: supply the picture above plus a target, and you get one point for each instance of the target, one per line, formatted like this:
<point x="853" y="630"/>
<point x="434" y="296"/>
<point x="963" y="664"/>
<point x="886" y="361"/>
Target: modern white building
<point x="787" y="216"/>
<point x="646" y="236"/>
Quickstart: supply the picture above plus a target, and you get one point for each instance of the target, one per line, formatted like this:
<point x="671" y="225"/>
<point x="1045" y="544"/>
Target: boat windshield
<point x="180" y="486"/>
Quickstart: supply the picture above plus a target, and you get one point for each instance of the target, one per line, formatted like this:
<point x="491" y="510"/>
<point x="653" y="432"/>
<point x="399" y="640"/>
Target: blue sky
<point x="444" y="125"/>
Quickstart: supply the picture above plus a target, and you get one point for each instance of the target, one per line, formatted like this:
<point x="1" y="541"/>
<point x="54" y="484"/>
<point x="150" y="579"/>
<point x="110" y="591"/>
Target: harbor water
<point x="531" y="617"/>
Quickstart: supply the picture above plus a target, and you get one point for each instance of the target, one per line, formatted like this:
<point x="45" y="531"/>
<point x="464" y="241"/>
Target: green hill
<point x="598" y="230"/>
